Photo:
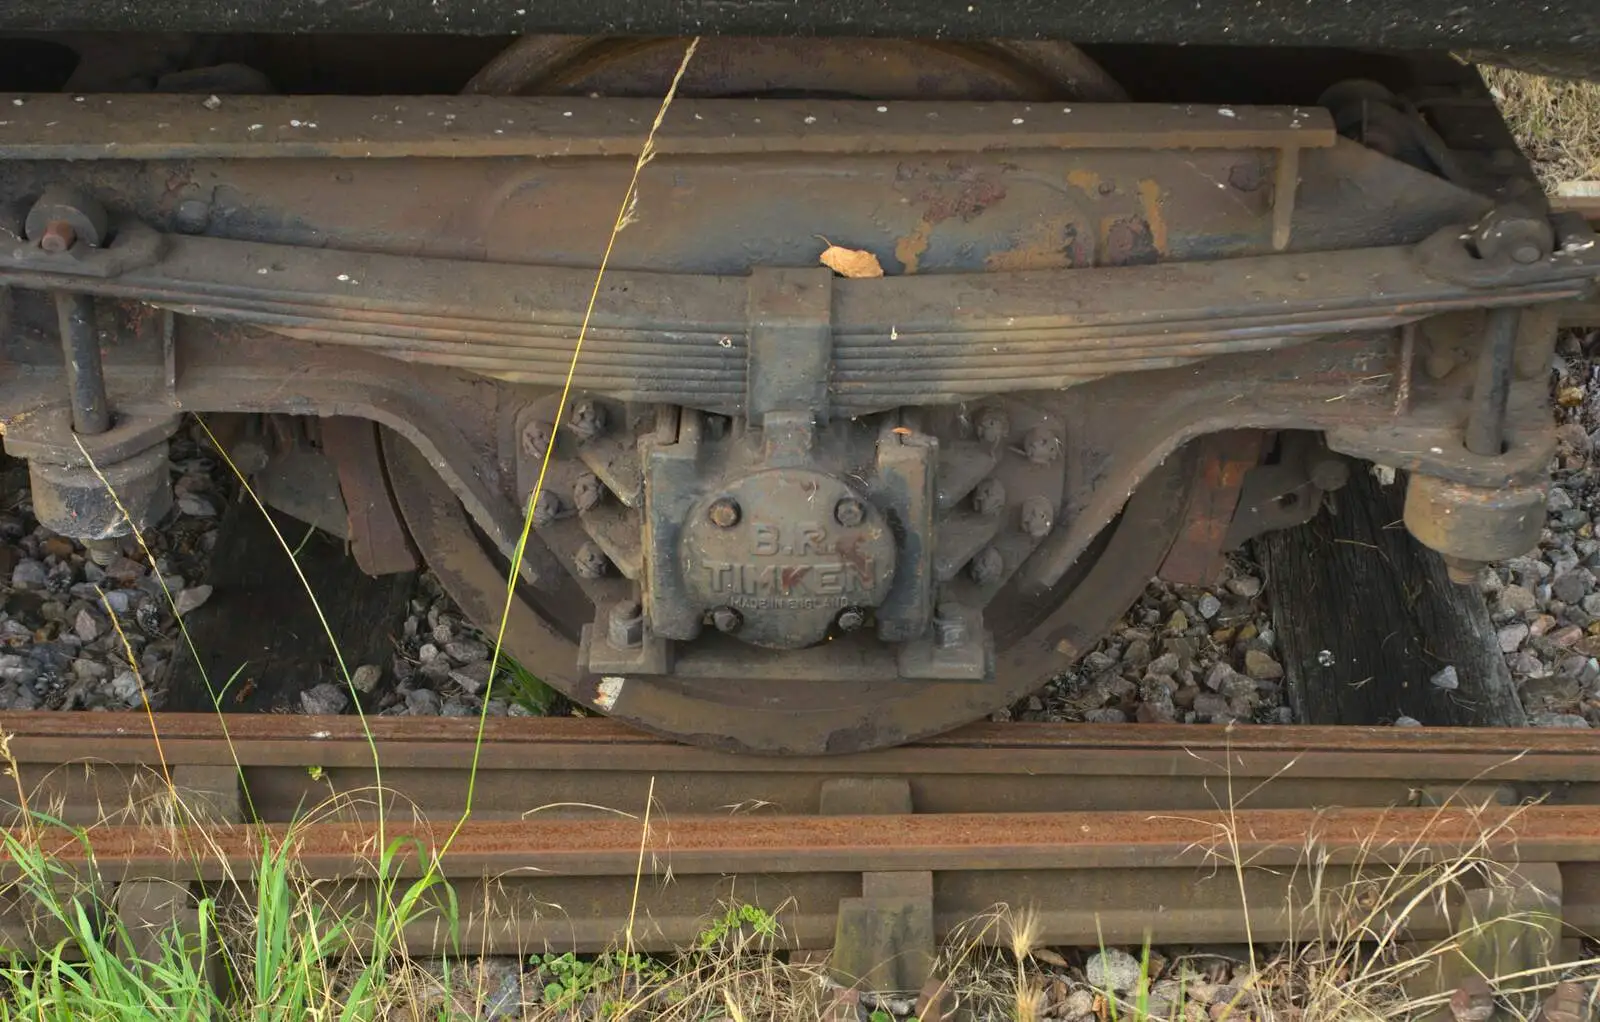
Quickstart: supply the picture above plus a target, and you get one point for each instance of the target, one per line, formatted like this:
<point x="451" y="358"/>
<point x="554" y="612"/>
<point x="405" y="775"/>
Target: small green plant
<point x="525" y="689"/>
<point x="762" y="922"/>
<point x="568" y="979"/>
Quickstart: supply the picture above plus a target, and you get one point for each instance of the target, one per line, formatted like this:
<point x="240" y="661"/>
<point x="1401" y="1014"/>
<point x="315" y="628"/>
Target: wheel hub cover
<point x="787" y="550"/>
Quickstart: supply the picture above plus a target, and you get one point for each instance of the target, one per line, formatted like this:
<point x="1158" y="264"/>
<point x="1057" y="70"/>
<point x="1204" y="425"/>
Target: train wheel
<point x="1034" y="637"/>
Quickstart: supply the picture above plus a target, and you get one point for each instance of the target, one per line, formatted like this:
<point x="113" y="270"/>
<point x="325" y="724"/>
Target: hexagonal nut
<point x="586" y="418"/>
<point x="989" y="496"/>
<point x="993" y="425"/>
<point x="89" y="505"/>
<point x="986" y="566"/>
<point x="590" y="562"/>
<point x="1042" y="445"/>
<point x="535" y="438"/>
<point x="1038" y="517"/>
<point x="587" y="491"/>
<point x="625" y="625"/>
<point x="1475" y="523"/>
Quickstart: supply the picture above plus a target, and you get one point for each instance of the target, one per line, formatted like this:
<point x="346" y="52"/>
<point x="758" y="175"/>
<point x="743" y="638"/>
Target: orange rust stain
<point x="1050" y="244"/>
<point x="1086" y="181"/>
<point x="909" y="249"/>
<point x="1150" y="199"/>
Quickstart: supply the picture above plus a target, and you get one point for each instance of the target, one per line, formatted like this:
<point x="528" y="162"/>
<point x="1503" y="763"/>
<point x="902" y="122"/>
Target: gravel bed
<point x="1182" y="654"/>
<point x="1545" y="606"/>
<point x="73" y="628"/>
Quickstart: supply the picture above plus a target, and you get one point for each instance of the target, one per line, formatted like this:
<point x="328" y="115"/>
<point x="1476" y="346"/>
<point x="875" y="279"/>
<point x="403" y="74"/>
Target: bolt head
<point x="586" y="418"/>
<point x="724" y="513"/>
<point x="726" y="619"/>
<point x="1038" y="517"/>
<point x="546" y="507"/>
<point x="625" y="627"/>
<point x="1525" y="254"/>
<point x="536" y="438"/>
<point x="949" y="628"/>
<point x="1042" y="446"/>
<point x="587" y="491"/>
<point x="851" y="618"/>
<point x="192" y="216"/>
<point x="58" y="237"/>
<point x="993" y="425"/>
<point x="986" y="566"/>
<point x="590" y="561"/>
<point x="989" y="497"/>
<point x="849" y="512"/>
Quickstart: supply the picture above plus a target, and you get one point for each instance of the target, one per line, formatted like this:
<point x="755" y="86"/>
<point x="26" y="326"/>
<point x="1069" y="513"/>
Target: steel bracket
<point x="596" y="654"/>
<point x="790" y="342"/>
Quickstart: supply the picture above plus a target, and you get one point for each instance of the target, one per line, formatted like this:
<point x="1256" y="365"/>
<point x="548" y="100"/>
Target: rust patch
<point x="1086" y="181"/>
<point x="1127" y="241"/>
<point x="957" y="191"/>
<point x="1150" y="199"/>
<point x="1053" y="243"/>
<point x="909" y="248"/>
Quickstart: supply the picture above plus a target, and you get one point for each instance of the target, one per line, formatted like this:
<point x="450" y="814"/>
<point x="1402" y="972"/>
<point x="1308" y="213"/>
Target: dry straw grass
<point x="1556" y="121"/>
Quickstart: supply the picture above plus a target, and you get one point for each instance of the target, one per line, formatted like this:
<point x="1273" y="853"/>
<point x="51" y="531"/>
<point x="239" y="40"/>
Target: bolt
<point x="986" y="566"/>
<point x="993" y="425"/>
<point x="1038" y="517"/>
<point x="989" y="497"/>
<point x="1461" y="571"/>
<point x="101" y="551"/>
<point x="1041" y="446"/>
<point x="586" y="418"/>
<point x="587" y="491"/>
<point x="1526" y="253"/>
<point x="717" y="426"/>
<point x="849" y="512"/>
<point x="546" y="507"/>
<point x="949" y="627"/>
<point x="724" y="512"/>
<point x="590" y="561"/>
<point x="851" y="618"/>
<point x="625" y="627"/>
<point x="58" y="236"/>
<point x="536" y="438"/>
<point x="192" y="215"/>
<point x="726" y="619"/>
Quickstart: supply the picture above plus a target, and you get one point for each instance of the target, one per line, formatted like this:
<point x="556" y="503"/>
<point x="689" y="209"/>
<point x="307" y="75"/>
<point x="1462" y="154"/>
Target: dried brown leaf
<point x="1043" y="954"/>
<point x="851" y="262"/>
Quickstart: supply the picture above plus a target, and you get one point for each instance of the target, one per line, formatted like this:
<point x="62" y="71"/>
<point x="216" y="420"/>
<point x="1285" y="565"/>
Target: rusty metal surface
<point x="1105" y="831"/>
<point x="1225" y="459"/>
<point x="1091" y="876"/>
<point x="680" y="338"/>
<point x="1098" y="272"/>
<point x="170" y="127"/>
<point x="833" y="844"/>
<point x="378" y="539"/>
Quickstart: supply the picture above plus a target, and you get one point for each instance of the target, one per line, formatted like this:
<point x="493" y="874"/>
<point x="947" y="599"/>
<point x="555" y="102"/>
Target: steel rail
<point x="1105" y="831"/>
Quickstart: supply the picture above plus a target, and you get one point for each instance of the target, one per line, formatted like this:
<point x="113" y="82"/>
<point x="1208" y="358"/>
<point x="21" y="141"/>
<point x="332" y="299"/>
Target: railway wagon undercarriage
<point x="1126" y="305"/>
